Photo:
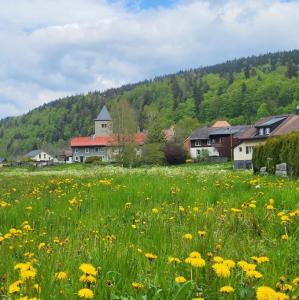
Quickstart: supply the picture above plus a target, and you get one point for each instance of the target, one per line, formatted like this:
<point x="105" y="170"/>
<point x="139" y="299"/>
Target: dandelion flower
<point x="150" y="256"/>
<point x="155" y="210"/>
<point x="180" y="279"/>
<point x="188" y="236"/>
<point x="86" y="293"/>
<point x="61" y="275"/>
<point x="137" y="285"/>
<point x="221" y="270"/>
<point x="227" y="289"/>
<point x="88" y="269"/>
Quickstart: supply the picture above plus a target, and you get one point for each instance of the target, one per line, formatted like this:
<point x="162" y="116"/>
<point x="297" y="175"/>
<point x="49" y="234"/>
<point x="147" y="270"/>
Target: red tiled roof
<point x="110" y="140"/>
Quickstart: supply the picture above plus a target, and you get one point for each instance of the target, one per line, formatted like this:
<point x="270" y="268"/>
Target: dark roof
<point x="33" y="153"/>
<point x="286" y="124"/>
<point x="206" y="132"/>
<point x="274" y="120"/>
<point x="104" y="115"/>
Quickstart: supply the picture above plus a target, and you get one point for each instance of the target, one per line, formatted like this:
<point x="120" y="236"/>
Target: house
<point x="104" y="143"/>
<point x="258" y="133"/>
<point x="217" y="142"/>
<point x="66" y="156"/>
<point x="40" y="157"/>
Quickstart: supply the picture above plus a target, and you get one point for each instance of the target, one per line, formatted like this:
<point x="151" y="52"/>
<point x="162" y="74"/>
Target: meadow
<point x="192" y="232"/>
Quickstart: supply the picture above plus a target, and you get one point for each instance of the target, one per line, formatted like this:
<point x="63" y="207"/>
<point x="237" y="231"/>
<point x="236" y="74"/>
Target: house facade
<point x="104" y="143"/>
<point x="258" y="134"/>
<point x="214" y="141"/>
<point x="40" y="157"/>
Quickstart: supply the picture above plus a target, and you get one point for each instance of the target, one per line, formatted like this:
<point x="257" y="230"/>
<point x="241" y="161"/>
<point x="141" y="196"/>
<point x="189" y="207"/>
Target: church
<point x="103" y="143"/>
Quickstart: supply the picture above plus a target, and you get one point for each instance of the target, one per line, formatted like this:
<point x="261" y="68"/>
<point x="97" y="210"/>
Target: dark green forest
<point x="239" y="91"/>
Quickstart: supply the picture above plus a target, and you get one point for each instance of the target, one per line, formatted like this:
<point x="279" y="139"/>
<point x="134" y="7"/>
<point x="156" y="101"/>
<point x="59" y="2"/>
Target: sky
<point x="53" y="48"/>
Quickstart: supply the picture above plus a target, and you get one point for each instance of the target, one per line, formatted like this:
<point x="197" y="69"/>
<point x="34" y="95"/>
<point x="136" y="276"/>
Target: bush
<point x="93" y="160"/>
<point x="153" y="154"/>
<point x="283" y="149"/>
<point x="174" y="154"/>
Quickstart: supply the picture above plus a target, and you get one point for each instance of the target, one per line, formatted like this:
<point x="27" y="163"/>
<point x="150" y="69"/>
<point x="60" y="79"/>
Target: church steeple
<point x="103" y="123"/>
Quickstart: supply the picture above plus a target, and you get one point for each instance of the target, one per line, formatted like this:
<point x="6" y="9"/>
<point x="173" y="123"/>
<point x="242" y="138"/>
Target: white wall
<point x="212" y="151"/>
<point x="43" y="156"/>
<point x="242" y="155"/>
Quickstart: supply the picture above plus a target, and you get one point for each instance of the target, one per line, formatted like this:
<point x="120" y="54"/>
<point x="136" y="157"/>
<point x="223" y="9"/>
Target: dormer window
<point x="267" y="131"/>
<point x="261" y="131"/>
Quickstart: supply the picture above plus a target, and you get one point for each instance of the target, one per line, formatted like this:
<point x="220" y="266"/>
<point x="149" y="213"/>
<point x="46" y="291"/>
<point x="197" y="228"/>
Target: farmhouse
<point x="266" y="127"/>
<point x="103" y="143"/>
<point x="217" y="141"/>
<point x="40" y="157"/>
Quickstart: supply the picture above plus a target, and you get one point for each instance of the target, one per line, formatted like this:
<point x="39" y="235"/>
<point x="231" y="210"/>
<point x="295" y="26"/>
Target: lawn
<point x="187" y="232"/>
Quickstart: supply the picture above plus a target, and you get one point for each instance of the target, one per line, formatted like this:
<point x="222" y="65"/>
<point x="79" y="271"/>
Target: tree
<point x="292" y="70"/>
<point x="155" y="133"/>
<point x="124" y="128"/>
<point x="262" y="111"/>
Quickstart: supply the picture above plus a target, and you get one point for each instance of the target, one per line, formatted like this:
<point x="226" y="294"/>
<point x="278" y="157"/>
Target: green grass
<point x="81" y="232"/>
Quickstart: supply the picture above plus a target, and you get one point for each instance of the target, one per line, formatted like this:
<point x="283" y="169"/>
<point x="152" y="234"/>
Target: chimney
<point x="297" y="110"/>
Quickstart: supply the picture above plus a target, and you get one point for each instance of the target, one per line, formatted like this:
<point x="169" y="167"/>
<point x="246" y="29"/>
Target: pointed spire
<point x="104" y="115"/>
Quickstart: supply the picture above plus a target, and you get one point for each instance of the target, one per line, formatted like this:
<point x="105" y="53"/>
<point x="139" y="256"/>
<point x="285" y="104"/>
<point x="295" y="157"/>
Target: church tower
<point x="103" y="123"/>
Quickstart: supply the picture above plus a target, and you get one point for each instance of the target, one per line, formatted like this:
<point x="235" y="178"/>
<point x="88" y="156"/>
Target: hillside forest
<point x="239" y="91"/>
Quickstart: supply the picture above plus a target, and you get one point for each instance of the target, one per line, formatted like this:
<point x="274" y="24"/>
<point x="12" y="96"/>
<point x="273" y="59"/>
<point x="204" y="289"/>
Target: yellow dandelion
<point x="88" y="269"/>
<point x="226" y="289"/>
<point x="180" y="279"/>
<point x="86" y="293"/>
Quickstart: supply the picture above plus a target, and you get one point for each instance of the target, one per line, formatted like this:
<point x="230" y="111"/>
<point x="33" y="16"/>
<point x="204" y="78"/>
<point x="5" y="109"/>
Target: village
<point x="219" y="142"/>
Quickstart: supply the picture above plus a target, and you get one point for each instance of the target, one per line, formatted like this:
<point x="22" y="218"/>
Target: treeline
<point x="278" y="150"/>
<point x="239" y="91"/>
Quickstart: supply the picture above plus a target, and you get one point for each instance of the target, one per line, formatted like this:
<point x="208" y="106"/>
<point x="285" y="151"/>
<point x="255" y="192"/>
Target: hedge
<point x="282" y="149"/>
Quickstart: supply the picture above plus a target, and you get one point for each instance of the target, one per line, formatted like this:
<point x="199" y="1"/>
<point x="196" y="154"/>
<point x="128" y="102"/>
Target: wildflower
<point x="188" y="236"/>
<point x="61" y="275"/>
<point x="86" y="293"/>
<point x="150" y="256"/>
<point x="295" y="281"/>
<point x="28" y="274"/>
<point x="88" y="269"/>
<point x="230" y="263"/>
<point x="180" y="279"/>
<point x="41" y="246"/>
<point x="269" y="207"/>
<point x="15" y="287"/>
<point x="236" y="210"/>
<point x="196" y="209"/>
<point x="181" y="208"/>
<point x="226" y="289"/>
<point x="137" y="285"/>
<point x="194" y="254"/>
<point x="174" y="260"/>
<point x="88" y="279"/>
<point x="133" y="226"/>
<point x="221" y="270"/>
<point x="155" y="210"/>
<point x="285" y="237"/>
<point x="261" y="259"/>
<point x="218" y="259"/>
<point x="254" y="274"/>
<point x="201" y="233"/>
<point x="196" y="262"/>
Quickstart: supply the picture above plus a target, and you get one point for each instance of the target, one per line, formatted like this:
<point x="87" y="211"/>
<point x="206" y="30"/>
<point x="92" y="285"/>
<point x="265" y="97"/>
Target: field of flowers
<point x="161" y="233"/>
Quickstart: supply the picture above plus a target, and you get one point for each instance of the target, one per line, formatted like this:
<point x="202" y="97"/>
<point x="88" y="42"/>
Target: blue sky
<point x="53" y="48"/>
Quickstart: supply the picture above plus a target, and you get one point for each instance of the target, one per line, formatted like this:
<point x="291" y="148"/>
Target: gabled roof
<point x="104" y="115"/>
<point x="33" y="153"/>
<point x="221" y="123"/>
<point x="286" y="124"/>
<point x="110" y="140"/>
<point x="206" y="132"/>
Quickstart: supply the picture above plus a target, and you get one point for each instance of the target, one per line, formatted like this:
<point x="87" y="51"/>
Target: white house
<point x="40" y="157"/>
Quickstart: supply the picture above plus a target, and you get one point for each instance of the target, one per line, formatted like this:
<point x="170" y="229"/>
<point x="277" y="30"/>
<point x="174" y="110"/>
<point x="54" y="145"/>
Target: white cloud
<point x="56" y="47"/>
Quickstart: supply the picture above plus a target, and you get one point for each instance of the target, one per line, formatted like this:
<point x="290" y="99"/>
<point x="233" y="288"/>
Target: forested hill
<point x="239" y="91"/>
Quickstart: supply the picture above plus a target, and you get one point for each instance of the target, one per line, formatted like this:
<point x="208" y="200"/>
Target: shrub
<point x="174" y="154"/>
<point x="278" y="150"/>
<point x="93" y="160"/>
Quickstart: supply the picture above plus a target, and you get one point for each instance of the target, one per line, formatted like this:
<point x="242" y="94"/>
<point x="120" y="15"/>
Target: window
<point x="240" y="149"/>
<point x="213" y="141"/>
<point x="198" y="152"/>
<point x="97" y="149"/>
<point x="248" y="149"/>
<point x="76" y="150"/>
<point x="86" y="150"/>
<point x="44" y="155"/>
<point x="267" y="131"/>
<point x="104" y="125"/>
<point x="76" y="158"/>
<point x="102" y="149"/>
<point x="209" y="142"/>
<point x="261" y="131"/>
<point x="197" y="143"/>
<point x="40" y="156"/>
